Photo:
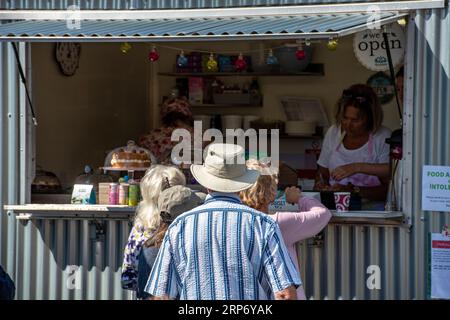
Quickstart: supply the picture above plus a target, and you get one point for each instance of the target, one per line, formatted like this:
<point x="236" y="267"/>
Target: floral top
<point x="159" y="143"/>
<point x="138" y="236"/>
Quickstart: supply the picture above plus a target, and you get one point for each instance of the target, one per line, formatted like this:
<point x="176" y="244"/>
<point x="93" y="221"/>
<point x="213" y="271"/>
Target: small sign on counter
<point x="83" y="194"/>
<point x="436" y="188"/>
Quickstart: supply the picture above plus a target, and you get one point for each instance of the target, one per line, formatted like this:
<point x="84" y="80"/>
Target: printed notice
<point x="436" y="188"/>
<point x="440" y="266"/>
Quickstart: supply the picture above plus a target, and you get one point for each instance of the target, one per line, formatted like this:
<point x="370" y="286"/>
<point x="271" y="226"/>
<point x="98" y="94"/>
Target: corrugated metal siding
<point x="162" y="4"/>
<point x="198" y="27"/>
<point x="339" y="268"/>
<point x="431" y="138"/>
<point x="9" y="146"/>
<point x="53" y="251"/>
<point x="39" y="255"/>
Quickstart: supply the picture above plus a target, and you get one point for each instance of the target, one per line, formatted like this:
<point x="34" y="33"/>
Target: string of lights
<point x="240" y="63"/>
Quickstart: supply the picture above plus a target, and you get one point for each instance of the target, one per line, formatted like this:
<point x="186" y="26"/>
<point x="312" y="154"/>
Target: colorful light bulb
<point x="182" y="60"/>
<point x="300" y="54"/>
<point x="271" y="59"/>
<point x="211" y="65"/>
<point x="153" y="55"/>
<point x="125" y="47"/>
<point x="240" y="64"/>
<point x="402" y="22"/>
<point x="332" y="44"/>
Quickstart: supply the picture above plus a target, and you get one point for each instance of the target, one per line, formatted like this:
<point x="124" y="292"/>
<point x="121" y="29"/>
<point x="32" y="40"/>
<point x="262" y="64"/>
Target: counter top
<point x="368" y="217"/>
<point x="78" y="211"/>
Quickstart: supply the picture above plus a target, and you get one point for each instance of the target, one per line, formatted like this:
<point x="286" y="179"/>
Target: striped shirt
<point x="222" y="250"/>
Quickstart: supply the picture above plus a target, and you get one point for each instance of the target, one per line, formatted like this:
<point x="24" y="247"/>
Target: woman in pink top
<point x="295" y="226"/>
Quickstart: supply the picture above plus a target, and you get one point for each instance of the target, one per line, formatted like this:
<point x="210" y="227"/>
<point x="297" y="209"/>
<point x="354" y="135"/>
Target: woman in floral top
<point x="147" y="221"/>
<point x="176" y="113"/>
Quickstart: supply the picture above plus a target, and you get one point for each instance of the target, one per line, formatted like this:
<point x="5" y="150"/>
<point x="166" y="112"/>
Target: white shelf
<point x="121" y="212"/>
<point x="385" y="218"/>
<point x="70" y="211"/>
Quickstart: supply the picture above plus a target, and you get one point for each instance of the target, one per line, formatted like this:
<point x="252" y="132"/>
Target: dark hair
<point x="363" y="98"/>
<point x="170" y="118"/>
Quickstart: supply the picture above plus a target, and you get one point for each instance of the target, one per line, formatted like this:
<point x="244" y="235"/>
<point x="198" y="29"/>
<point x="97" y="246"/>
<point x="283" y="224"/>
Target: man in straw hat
<point x="223" y="249"/>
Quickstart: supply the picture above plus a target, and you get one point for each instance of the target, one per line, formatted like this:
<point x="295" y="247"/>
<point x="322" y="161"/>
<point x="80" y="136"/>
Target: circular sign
<point x="370" y="48"/>
<point x="383" y="87"/>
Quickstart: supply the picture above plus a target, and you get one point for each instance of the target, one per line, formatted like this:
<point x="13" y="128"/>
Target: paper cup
<point x="342" y="200"/>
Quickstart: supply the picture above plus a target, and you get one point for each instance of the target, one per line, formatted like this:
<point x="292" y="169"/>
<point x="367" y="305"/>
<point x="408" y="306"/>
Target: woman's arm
<point x="322" y="178"/>
<point x="381" y="170"/>
<point x="309" y="221"/>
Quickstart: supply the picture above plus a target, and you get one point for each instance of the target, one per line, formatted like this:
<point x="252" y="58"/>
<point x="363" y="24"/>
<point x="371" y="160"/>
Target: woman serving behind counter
<point x="176" y="113"/>
<point x="355" y="156"/>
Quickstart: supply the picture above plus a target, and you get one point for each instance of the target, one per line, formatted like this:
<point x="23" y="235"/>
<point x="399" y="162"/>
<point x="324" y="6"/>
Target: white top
<point x="333" y="137"/>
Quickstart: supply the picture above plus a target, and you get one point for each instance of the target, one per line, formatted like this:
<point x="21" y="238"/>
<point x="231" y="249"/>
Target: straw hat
<point x="224" y="169"/>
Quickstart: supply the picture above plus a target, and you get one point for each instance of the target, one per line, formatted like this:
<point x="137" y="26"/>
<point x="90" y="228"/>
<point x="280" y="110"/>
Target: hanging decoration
<point x="236" y="64"/>
<point x="300" y="54"/>
<point x="271" y="59"/>
<point x="182" y="60"/>
<point x="153" y="55"/>
<point x="240" y="64"/>
<point x="211" y="65"/>
<point x="332" y="44"/>
<point x="402" y="22"/>
<point x="125" y="47"/>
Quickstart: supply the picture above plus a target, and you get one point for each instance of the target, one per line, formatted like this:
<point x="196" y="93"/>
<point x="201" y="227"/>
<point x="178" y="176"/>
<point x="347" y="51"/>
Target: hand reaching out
<point x="293" y="194"/>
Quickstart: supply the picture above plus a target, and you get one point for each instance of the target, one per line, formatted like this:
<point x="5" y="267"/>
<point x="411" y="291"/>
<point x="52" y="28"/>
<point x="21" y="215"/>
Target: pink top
<point x="297" y="226"/>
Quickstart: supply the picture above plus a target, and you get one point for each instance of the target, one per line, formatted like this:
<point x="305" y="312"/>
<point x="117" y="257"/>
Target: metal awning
<point x="198" y="29"/>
